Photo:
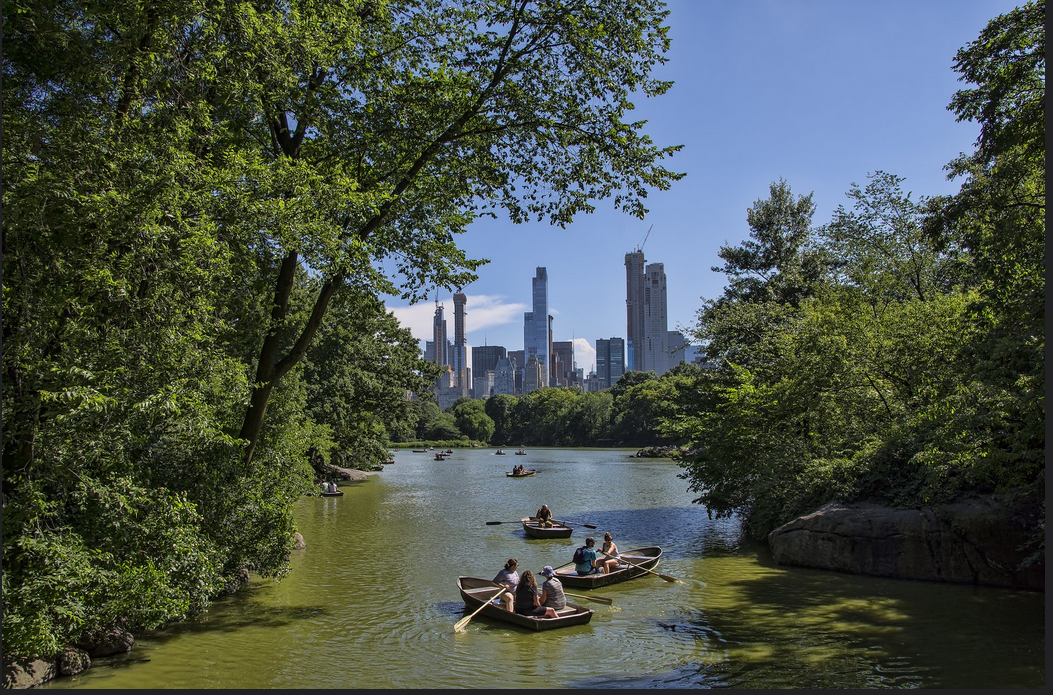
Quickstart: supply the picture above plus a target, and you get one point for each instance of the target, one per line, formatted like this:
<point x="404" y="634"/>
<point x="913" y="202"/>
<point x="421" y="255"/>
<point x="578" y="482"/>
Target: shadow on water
<point x="235" y="613"/>
<point x="769" y="626"/>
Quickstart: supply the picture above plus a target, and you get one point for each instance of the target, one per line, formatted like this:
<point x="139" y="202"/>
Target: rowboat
<point x="499" y="452"/>
<point x="521" y="452"/>
<point x="440" y="456"/>
<point x="644" y="557"/>
<point x="524" y="474"/>
<point x="532" y="529"/>
<point x="338" y="493"/>
<point x="475" y="591"/>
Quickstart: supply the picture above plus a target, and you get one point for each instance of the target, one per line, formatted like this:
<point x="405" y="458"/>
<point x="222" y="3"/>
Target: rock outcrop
<point x="974" y="542"/>
<point x="107" y="641"/>
<point x="22" y="673"/>
<point x="72" y="661"/>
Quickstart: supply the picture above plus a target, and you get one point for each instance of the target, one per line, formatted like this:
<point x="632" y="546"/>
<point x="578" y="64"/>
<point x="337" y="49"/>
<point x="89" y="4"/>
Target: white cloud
<point x="584" y="356"/>
<point x="484" y="311"/>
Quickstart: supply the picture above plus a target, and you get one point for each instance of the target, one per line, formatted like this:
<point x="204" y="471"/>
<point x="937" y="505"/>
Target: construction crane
<point x="639" y="249"/>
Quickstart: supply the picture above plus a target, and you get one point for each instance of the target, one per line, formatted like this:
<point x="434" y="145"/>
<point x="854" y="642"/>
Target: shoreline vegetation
<point x="195" y="244"/>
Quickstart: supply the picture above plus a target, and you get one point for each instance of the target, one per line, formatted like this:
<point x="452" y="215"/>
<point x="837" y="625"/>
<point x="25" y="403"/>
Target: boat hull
<point x="644" y="557"/>
<point x="531" y="528"/>
<point x="474" y="591"/>
<point x="525" y="474"/>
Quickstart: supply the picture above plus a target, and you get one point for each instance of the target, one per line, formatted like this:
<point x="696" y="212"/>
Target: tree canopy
<point x="201" y="200"/>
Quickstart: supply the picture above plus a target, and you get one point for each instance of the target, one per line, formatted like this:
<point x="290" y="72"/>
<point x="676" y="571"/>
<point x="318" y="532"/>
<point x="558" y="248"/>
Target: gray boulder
<point x="973" y="542"/>
<point x="20" y="673"/>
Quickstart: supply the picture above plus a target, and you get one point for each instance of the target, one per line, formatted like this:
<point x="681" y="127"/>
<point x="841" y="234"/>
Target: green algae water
<point x="371" y="602"/>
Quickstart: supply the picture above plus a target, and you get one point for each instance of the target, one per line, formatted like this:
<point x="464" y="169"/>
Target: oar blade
<point x="595" y="599"/>
<point x="494" y="523"/>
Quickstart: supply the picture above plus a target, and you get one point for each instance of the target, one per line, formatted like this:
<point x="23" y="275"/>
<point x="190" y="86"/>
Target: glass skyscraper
<point x="535" y="325"/>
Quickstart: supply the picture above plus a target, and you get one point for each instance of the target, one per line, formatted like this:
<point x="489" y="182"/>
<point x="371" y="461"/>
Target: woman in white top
<point x="610" y="550"/>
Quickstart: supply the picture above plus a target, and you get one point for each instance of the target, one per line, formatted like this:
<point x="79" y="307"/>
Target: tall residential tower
<point x="646" y="345"/>
<point x="536" y="341"/>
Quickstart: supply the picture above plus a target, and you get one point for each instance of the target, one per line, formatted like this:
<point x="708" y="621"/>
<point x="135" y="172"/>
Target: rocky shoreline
<point x="983" y="541"/>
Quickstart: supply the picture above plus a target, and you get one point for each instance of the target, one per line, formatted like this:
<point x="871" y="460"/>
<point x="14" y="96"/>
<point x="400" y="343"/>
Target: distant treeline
<point x="626" y="415"/>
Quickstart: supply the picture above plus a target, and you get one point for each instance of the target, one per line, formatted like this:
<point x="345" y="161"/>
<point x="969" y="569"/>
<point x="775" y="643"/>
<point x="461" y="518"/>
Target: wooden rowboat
<point x="644" y="557"/>
<point x="524" y="474"/>
<point x="532" y="529"/>
<point x="338" y="493"/>
<point x="474" y="591"/>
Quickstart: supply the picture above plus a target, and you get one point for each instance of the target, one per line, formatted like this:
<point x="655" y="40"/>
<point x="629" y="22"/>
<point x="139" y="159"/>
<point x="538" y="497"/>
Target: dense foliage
<point x="202" y="204"/>
<point x="894" y="353"/>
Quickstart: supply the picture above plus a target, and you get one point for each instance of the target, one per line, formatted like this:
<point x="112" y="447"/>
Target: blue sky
<point x="817" y="92"/>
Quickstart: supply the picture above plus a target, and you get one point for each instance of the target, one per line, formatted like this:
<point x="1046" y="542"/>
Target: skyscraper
<point x="610" y="361"/>
<point x="438" y="333"/>
<point x="532" y="379"/>
<point x="656" y="334"/>
<point x="459" y="356"/>
<point x="505" y="377"/>
<point x="563" y="366"/>
<point x="634" y="308"/>
<point x="485" y="359"/>
<point x="536" y="340"/>
<point x="647" y="338"/>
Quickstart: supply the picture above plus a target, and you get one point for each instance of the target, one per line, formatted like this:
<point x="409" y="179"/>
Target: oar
<point x="640" y="567"/>
<point x="494" y="523"/>
<point x="596" y="599"/>
<point x="573" y="523"/>
<point x="459" y="625"/>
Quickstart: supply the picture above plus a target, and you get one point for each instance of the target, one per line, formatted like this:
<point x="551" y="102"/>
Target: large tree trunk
<point x="271" y="368"/>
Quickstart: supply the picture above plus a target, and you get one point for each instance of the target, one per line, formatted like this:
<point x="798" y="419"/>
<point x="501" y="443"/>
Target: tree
<point x="881" y="244"/>
<point x="588" y="419"/>
<point x="390" y="131"/>
<point x="501" y="409"/>
<point x="998" y="216"/>
<point x="189" y="189"/>
<point x="472" y="420"/>
<point x="357" y="374"/>
<point x="769" y="276"/>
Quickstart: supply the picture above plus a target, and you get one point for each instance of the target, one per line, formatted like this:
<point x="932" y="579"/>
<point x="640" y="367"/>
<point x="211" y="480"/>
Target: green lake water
<point x="371" y="602"/>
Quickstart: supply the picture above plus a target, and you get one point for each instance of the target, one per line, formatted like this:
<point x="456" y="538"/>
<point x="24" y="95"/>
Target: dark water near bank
<point x="372" y="601"/>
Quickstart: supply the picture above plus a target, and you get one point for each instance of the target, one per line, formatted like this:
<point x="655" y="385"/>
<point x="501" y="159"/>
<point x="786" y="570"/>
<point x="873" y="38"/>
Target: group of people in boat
<point x="517" y="470"/>
<point x="329" y="486"/>
<point x="522" y="594"/>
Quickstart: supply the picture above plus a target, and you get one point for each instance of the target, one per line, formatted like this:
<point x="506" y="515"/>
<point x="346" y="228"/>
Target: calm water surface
<point x="371" y="602"/>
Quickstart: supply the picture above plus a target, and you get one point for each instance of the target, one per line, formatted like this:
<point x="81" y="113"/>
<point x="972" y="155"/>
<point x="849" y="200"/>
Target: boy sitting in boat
<point x="586" y="560"/>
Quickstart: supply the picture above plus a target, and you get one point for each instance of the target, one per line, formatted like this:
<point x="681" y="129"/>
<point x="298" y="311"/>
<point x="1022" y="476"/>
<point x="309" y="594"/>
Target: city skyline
<point x="860" y="87"/>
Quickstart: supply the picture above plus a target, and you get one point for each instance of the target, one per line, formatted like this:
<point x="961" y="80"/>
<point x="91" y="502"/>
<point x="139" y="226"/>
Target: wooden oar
<point x="640" y="567"/>
<point x="460" y="624"/>
<point x="596" y="599"/>
<point x="494" y="523"/>
<point x="573" y="523"/>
